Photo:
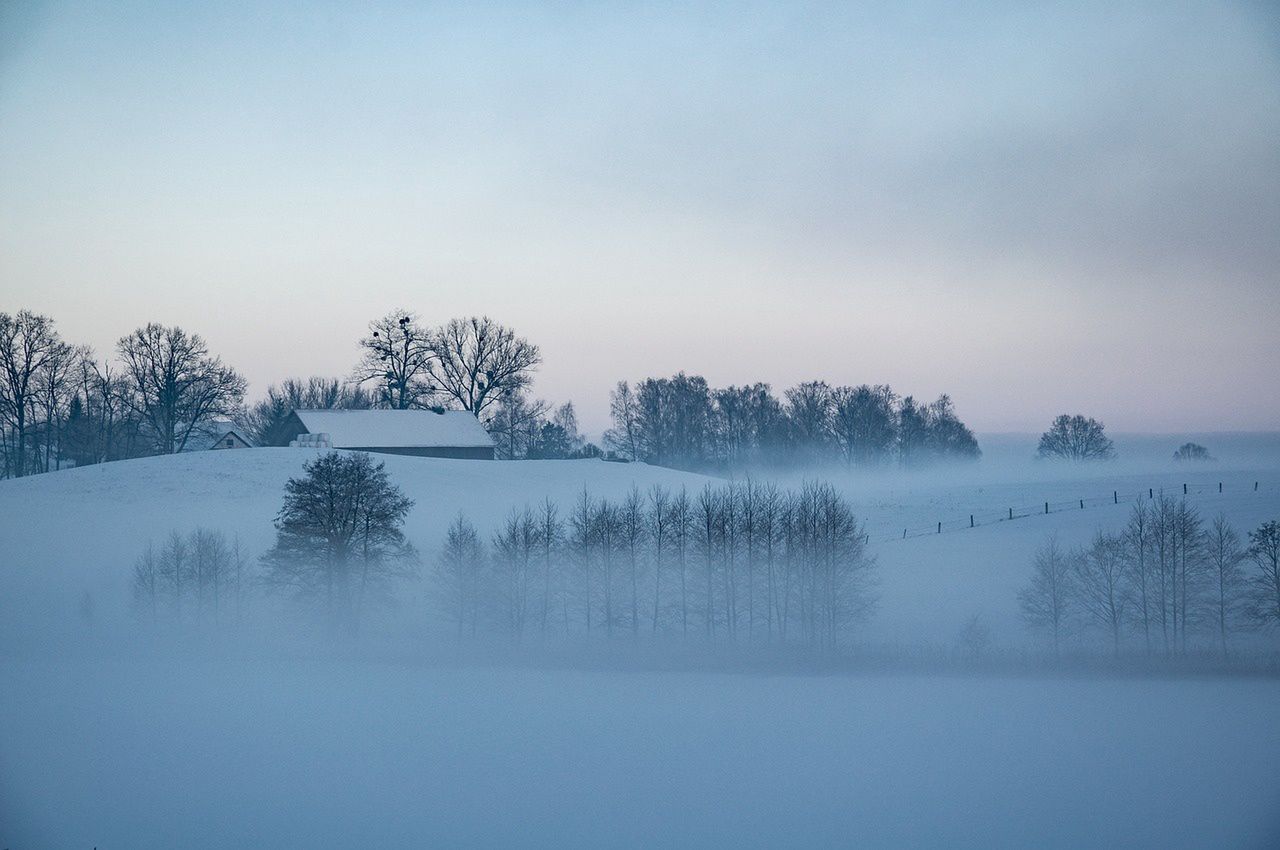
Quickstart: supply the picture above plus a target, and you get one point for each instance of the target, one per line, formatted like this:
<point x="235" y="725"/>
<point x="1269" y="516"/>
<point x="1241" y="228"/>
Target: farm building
<point x="421" y="433"/>
<point x="217" y="434"/>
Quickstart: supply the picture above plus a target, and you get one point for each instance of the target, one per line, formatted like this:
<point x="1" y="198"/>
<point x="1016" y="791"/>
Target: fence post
<point x="1010" y="513"/>
<point x="904" y="534"/>
<point x="939" y="528"/>
<point x="1046" y="507"/>
<point x="1115" y="496"/>
<point x="1184" y="489"/>
<point x="1219" y="486"/>
<point x="1255" y="486"/>
<point x="971" y="520"/>
<point x="1082" y="504"/>
<point x="1151" y="493"/>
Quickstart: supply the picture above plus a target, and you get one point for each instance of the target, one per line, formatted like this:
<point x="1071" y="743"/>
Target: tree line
<point x="682" y="422"/>
<point x="1167" y="579"/>
<point x="743" y="563"/>
<point x="62" y="405"/>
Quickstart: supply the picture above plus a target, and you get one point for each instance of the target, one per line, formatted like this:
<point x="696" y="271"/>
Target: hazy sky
<point x="1036" y="210"/>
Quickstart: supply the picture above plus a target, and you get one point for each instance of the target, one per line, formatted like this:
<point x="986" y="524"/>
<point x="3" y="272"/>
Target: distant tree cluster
<point x="62" y="406"/>
<point x="266" y="420"/>
<point x="467" y="364"/>
<point x="681" y="422"/>
<point x="523" y="430"/>
<point x="1167" y="578"/>
<point x="198" y="577"/>
<point x="1077" y="438"/>
<point x="1193" y="453"/>
<point x="741" y="563"/>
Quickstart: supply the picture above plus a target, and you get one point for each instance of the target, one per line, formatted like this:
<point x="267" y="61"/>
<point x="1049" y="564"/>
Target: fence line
<point x="990" y="517"/>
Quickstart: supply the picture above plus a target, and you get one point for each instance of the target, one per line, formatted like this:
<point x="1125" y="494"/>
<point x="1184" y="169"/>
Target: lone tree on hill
<point x="338" y="535"/>
<point x="1193" y="452"/>
<point x="1076" y="438"/>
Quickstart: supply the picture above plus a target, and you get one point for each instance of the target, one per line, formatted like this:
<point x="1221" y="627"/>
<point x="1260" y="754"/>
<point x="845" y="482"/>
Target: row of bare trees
<point x="197" y="577"/>
<point x="741" y="563"/>
<point x="1169" y="579"/>
<point x="61" y="405"/>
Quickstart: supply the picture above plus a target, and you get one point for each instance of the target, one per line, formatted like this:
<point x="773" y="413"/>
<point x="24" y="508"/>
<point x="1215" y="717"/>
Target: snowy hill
<point x="80" y="530"/>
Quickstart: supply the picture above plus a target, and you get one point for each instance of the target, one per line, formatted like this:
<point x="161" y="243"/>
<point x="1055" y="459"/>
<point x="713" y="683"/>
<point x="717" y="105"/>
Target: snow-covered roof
<point x="382" y="429"/>
<point x="206" y="435"/>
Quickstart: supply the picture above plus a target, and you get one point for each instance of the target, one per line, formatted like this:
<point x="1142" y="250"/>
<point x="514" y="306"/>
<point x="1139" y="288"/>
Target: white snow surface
<point x="80" y="530"/>
<point x="378" y="429"/>
<point x="104" y="743"/>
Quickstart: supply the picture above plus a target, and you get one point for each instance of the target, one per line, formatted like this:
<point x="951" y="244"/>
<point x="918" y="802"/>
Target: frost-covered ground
<point x="106" y="741"/>
<point x="370" y="754"/>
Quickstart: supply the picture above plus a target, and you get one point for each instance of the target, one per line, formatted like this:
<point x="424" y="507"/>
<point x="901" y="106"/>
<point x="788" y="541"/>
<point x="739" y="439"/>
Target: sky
<point x="1035" y="208"/>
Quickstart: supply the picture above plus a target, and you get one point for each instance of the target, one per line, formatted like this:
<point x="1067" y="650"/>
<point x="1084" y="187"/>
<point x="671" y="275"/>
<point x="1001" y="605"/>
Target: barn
<point x="420" y="433"/>
<point x="217" y="434"/>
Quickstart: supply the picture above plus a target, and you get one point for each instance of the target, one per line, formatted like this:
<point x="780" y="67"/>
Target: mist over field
<point x="258" y="725"/>
<point x="639" y="425"/>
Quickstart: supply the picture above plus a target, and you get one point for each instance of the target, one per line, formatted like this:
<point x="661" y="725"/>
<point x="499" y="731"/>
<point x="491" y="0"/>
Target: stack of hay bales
<point x="311" y="441"/>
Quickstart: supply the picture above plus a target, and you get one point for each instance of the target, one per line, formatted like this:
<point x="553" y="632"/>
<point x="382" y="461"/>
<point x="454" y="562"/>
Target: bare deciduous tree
<point x="1225" y="555"/>
<point x="1264" y="585"/>
<point x="1101" y="582"/>
<point x="477" y="360"/>
<point x="1076" y="438"/>
<point x="175" y="384"/>
<point x="29" y="347"/>
<point x="396" y="362"/>
<point x="1046" y="601"/>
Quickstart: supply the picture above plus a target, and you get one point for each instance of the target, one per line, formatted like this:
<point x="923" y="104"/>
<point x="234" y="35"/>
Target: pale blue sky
<point x="1070" y="208"/>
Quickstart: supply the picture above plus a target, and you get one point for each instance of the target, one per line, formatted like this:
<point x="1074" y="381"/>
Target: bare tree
<point x="631" y="526"/>
<point x="1101" y="581"/>
<point x="1264" y="586"/>
<point x="1137" y="541"/>
<point x="146" y="583"/>
<point x="624" y="436"/>
<point x="659" y="520"/>
<point x="1225" y="555"/>
<point x="1076" y="438"/>
<point x="396" y="361"/>
<point x="458" y="575"/>
<point x="29" y="345"/>
<point x="476" y="361"/>
<point x="1046" y="601"/>
<point x="176" y="384"/>
<point x="681" y="523"/>
<point x="550" y="537"/>
<point x="515" y="424"/>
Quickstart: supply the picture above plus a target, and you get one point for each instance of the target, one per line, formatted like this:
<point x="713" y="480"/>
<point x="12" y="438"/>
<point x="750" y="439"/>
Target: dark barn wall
<point x="474" y="453"/>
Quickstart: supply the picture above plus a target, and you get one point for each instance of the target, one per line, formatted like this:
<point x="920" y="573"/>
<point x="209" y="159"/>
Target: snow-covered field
<point x="337" y="754"/>
<point x="80" y="530"/>
<point x="101" y="745"/>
